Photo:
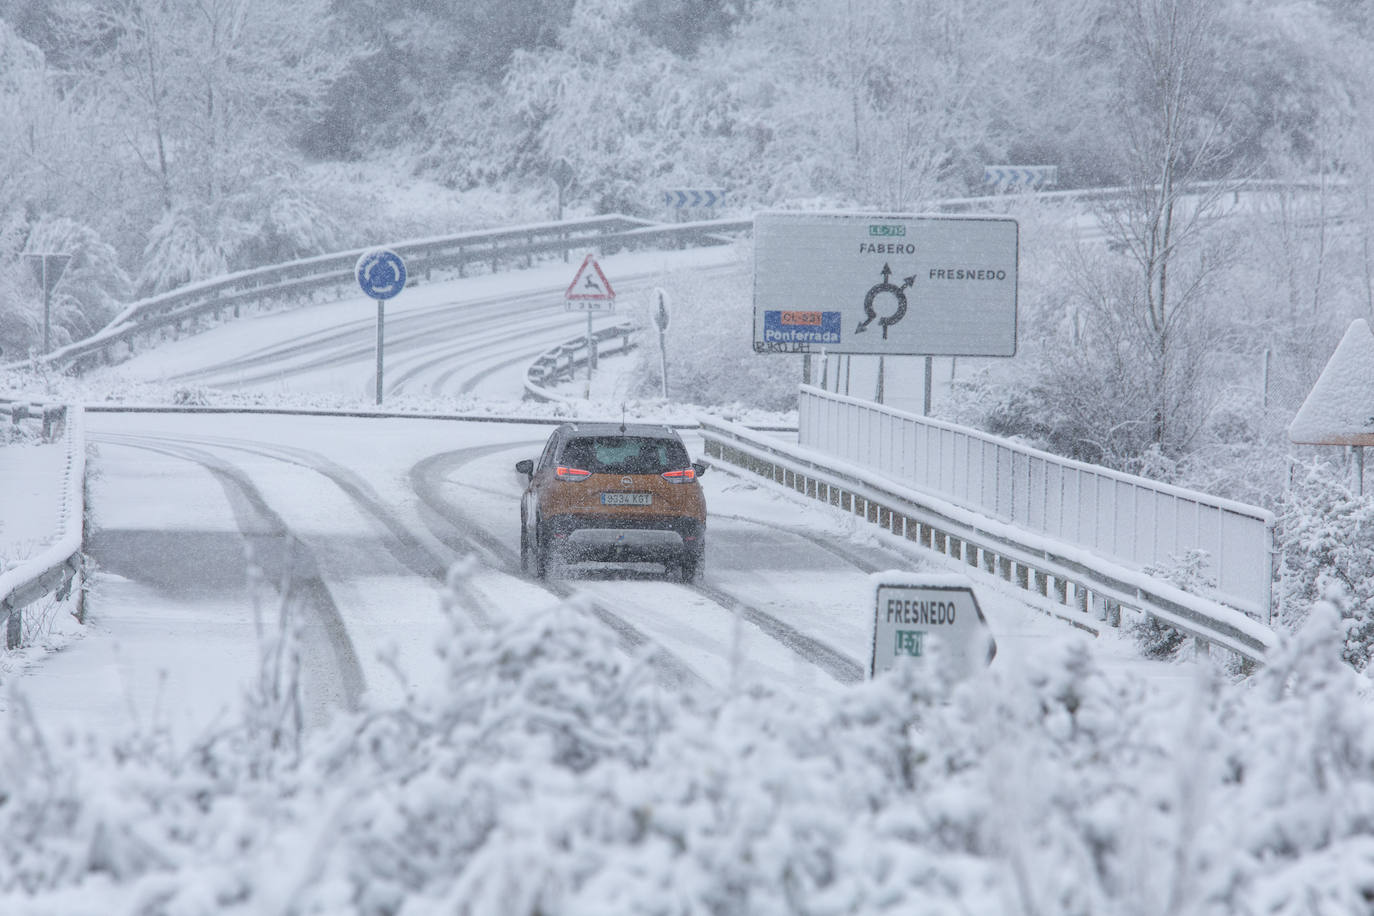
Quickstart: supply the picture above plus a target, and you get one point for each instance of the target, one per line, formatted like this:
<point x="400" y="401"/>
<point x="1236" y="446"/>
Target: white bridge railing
<point x="1130" y="520"/>
<point x="1084" y="584"/>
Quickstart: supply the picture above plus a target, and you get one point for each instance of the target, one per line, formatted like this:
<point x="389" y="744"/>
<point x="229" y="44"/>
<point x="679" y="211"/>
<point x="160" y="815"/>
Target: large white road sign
<point x="896" y="285"/>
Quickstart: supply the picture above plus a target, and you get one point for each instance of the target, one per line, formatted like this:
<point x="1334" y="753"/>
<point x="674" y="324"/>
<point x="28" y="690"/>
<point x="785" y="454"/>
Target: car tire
<point x="542" y="548"/>
<point x="689" y="567"/>
<point x="526" y="560"/>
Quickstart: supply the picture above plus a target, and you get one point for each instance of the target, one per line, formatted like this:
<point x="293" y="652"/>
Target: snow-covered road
<point x="355" y="519"/>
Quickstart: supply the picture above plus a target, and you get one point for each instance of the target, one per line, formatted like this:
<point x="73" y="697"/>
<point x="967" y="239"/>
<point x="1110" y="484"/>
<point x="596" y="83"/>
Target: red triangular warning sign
<point x="590" y="284"/>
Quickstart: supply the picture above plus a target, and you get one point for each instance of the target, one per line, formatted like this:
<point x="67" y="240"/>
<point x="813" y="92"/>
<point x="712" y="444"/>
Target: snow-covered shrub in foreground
<point x="1324" y="533"/>
<point x="551" y="772"/>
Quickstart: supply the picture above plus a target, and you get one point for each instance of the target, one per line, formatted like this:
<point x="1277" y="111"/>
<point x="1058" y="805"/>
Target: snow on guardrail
<point x="563" y="361"/>
<point x="333" y="273"/>
<point x="58" y="567"/>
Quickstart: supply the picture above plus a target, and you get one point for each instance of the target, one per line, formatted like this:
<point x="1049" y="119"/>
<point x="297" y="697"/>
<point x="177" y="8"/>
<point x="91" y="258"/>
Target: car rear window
<point x="624" y="455"/>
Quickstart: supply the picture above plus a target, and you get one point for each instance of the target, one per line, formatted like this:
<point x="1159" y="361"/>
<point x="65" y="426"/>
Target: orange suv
<point x="613" y="493"/>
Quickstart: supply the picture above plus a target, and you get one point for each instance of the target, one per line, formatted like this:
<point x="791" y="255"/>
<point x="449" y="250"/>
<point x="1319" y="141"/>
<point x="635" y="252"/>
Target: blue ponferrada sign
<point x="381" y="273"/>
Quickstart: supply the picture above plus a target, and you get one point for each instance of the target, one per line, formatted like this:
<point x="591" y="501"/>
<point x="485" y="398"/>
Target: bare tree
<point x="1175" y="165"/>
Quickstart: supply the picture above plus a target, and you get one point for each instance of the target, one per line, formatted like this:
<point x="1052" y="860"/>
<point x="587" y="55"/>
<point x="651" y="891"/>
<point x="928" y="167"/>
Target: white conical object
<point x="1340" y="408"/>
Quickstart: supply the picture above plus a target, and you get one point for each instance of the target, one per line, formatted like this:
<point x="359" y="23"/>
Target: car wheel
<point x="526" y="561"/>
<point x="689" y="566"/>
<point x="542" y="549"/>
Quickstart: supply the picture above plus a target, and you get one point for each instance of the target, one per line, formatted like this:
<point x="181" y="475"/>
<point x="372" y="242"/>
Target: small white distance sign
<point x="923" y="616"/>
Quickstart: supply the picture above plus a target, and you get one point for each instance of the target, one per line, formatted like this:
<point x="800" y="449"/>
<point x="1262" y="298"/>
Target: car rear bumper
<point x="595" y="542"/>
<point x="610" y="540"/>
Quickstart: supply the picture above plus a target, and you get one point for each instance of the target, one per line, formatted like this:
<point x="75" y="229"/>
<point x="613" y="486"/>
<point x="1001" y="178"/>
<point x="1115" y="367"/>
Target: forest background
<point x="165" y="141"/>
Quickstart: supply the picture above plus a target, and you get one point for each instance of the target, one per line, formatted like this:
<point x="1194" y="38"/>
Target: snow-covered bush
<point x="185" y="245"/>
<point x="1156" y="638"/>
<point x="1324" y="533"/>
<point x="271" y="223"/>
<point x="548" y="771"/>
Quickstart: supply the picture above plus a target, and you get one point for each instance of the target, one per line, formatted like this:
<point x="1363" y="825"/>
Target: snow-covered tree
<point x="202" y="100"/>
<point x="1324" y="533"/>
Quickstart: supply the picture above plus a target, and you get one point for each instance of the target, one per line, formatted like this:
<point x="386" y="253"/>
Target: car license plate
<point x="627" y="499"/>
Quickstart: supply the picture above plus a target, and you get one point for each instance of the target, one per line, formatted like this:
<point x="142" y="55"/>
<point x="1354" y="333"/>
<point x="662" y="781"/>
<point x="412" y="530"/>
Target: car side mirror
<point x="699" y="468"/>
<point x="525" y="467"/>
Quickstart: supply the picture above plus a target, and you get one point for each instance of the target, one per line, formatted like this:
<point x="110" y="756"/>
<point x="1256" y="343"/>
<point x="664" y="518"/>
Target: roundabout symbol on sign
<point x="885" y="287"/>
<point x="381" y="273"/>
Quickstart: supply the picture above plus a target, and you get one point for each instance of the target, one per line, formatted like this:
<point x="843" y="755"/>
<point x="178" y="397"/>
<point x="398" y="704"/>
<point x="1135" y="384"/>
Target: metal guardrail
<point x="1075" y="579"/>
<point x="494" y="247"/>
<point x="51" y="416"/>
<point x="1101" y="195"/>
<point x="563" y="361"/>
<point x="334" y="272"/>
<point x="57" y="568"/>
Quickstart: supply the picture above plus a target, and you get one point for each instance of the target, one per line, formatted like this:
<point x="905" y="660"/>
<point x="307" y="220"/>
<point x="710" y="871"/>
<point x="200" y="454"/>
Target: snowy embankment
<point x="549" y="772"/>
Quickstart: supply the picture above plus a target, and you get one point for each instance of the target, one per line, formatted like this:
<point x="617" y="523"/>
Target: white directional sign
<point x="1016" y="177"/>
<point x="887" y="285"/>
<point x="693" y="198"/>
<point x="929" y="615"/>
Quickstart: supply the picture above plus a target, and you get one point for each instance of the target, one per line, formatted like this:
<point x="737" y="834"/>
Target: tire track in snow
<point x="278" y="550"/>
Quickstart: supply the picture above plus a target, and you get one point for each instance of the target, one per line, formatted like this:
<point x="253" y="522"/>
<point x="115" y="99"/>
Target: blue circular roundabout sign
<point x="381" y="273"/>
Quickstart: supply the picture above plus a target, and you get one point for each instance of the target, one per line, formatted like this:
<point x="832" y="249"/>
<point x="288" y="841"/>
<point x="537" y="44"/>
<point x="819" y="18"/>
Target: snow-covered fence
<point x="57" y="568"/>
<point x="51" y="418"/>
<point x="563" y="361"/>
<point x="333" y="274"/>
<point x="1131" y="520"/>
<point x="1086" y="584"/>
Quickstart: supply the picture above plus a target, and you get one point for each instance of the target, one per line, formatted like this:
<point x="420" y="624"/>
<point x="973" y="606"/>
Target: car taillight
<point x="567" y="473"/>
<point x="687" y="475"/>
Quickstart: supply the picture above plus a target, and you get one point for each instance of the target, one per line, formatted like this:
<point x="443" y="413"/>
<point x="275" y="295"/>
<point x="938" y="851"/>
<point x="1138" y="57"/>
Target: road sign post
<point x="661" y="319"/>
<point x="47" y="270"/>
<point x="562" y="174"/>
<point x="924" y="615"/>
<point x="381" y="274"/>
<point x="589" y="291"/>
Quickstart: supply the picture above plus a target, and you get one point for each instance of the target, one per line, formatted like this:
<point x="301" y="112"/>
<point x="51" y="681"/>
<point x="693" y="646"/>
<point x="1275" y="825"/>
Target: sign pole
<point x="661" y="319"/>
<point x="589" y="354"/>
<point x="381" y="321"/>
<point x="47" y="309"/>
<point x="381" y="274"/>
<point x="47" y="270"/>
<point x="930" y="370"/>
<point x="589" y="290"/>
